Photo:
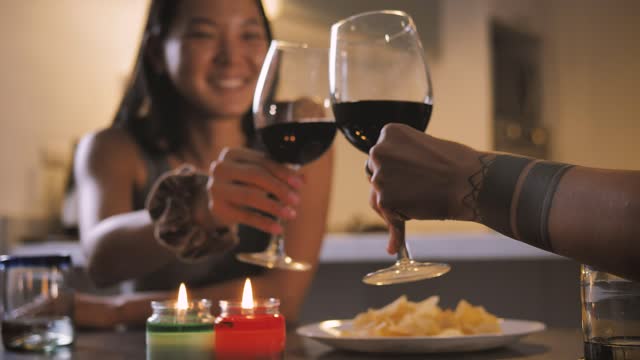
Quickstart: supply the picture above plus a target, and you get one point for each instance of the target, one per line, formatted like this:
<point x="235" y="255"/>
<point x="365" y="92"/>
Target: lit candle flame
<point x="183" y="300"/>
<point x="247" y="295"/>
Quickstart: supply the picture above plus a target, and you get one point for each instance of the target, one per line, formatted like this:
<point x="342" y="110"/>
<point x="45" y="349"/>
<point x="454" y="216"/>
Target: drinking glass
<point x="610" y="315"/>
<point x="293" y="120"/>
<point x="37" y="301"/>
<point x="378" y="75"/>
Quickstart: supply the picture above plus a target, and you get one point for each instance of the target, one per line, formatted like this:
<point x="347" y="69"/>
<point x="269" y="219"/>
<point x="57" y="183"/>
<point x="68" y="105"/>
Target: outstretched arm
<point x="590" y="215"/>
<point x="118" y="241"/>
<point x="304" y="237"/>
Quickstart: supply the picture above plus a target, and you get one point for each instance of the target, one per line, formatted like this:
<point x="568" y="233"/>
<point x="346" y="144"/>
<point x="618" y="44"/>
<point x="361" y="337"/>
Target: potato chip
<point x="402" y="317"/>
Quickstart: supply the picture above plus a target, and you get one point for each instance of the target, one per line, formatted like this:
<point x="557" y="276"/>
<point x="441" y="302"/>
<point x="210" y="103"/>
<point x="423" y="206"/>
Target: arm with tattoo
<point x="514" y="195"/>
<point x="590" y="215"/>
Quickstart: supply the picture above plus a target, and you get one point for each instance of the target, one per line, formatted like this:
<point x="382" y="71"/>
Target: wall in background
<point x="63" y="68"/>
<point x="590" y="76"/>
<point x="592" y="81"/>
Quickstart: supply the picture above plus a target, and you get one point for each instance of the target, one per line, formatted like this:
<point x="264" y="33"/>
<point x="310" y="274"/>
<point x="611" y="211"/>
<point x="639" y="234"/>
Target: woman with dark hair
<point x="188" y="103"/>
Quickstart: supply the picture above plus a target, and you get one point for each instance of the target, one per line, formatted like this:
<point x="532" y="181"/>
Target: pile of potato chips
<point x="424" y="318"/>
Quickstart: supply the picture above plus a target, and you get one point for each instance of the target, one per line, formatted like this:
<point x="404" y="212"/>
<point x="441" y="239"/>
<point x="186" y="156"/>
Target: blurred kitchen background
<point x="548" y="78"/>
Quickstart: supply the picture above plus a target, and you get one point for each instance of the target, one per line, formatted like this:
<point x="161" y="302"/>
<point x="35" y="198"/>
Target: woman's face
<point x="213" y="54"/>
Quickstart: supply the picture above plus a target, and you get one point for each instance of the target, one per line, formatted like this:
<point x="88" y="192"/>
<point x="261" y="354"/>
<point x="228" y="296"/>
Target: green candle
<point x="180" y="332"/>
<point x="180" y="341"/>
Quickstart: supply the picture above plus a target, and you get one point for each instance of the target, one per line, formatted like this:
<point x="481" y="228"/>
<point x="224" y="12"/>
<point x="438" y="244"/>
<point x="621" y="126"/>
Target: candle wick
<point x="181" y="316"/>
<point x="249" y="311"/>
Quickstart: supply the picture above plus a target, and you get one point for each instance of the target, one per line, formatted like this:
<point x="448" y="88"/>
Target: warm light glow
<point x="272" y="8"/>
<point x="332" y="327"/>
<point x="29" y="280"/>
<point x="183" y="300"/>
<point x="54" y="283"/>
<point x="247" y="295"/>
<point x="44" y="285"/>
<point x="538" y="136"/>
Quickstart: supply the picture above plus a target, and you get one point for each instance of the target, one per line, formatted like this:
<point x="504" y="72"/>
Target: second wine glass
<point x="294" y="123"/>
<point x="379" y="75"/>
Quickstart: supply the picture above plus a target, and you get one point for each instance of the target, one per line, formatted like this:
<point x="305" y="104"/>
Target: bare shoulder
<point x="108" y="150"/>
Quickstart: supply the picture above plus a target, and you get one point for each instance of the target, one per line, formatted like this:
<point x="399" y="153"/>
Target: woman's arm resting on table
<point x="304" y="237"/>
<point x="118" y="241"/>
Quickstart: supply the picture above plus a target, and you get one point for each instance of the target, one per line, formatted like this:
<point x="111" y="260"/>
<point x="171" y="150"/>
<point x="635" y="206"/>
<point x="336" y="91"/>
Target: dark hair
<point x="146" y="88"/>
<point x="151" y="103"/>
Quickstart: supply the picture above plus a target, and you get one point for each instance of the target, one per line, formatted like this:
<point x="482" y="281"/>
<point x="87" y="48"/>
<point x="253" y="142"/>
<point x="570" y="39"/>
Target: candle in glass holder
<point x="180" y="330"/>
<point x="250" y="329"/>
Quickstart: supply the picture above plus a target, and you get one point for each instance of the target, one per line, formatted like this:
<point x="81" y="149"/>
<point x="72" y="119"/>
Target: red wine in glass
<point x="362" y="121"/>
<point x="378" y="75"/>
<point x="297" y="143"/>
<point x="293" y="121"/>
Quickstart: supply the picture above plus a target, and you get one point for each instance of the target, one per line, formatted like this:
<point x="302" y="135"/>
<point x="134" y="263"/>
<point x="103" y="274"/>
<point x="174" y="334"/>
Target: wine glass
<point x="294" y="122"/>
<point x="378" y="75"/>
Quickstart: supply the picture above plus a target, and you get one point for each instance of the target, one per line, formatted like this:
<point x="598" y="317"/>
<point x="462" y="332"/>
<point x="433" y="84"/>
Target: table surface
<point x="552" y="344"/>
<point x="347" y="247"/>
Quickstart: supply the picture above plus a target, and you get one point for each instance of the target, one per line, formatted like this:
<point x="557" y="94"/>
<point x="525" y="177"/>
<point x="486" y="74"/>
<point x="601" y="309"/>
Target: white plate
<point x="328" y="332"/>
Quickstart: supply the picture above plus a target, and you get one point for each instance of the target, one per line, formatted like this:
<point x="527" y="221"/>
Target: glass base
<point x="41" y="334"/>
<point x="406" y="271"/>
<point x="273" y="261"/>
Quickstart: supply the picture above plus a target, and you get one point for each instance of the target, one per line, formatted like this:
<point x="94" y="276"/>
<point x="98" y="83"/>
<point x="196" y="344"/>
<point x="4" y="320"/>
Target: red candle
<point x="250" y="330"/>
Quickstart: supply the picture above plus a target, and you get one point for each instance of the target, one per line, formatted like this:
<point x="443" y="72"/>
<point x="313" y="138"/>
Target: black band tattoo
<point x="534" y="203"/>
<point x="497" y="186"/>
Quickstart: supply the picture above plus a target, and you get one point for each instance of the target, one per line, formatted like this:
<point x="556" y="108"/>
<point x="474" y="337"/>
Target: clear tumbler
<point x="610" y="316"/>
<point x="37" y="301"/>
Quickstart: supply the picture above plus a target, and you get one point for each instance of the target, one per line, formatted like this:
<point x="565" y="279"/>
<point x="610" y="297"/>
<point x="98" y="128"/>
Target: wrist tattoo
<point x="513" y="195"/>
<point x="470" y="200"/>
<point x="534" y="203"/>
<point x="498" y="185"/>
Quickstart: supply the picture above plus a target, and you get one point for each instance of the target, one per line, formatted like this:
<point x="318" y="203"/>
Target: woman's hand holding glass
<point x="293" y="122"/>
<point x="195" y="214"/>
<point x="243" y="180"/>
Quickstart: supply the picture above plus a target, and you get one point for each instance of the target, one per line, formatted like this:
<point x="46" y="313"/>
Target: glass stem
<point x="397" y="231"/>
<point x="276" y="244"/>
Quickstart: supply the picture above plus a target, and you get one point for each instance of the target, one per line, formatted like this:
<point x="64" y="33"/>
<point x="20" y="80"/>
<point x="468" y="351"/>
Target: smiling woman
<point x="188" y="104"/>
<point x="194" y="41"/>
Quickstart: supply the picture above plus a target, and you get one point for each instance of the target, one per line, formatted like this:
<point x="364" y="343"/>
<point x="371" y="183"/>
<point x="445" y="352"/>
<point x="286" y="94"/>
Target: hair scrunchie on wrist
<point x="178" y="206"/>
